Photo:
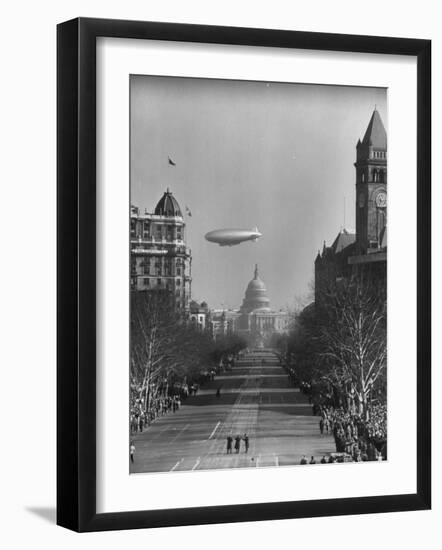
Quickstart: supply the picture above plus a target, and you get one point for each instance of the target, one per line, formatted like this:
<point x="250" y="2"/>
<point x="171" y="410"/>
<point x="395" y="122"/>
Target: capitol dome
<point x="168" y="206"/>
<point x="256" y="295"/>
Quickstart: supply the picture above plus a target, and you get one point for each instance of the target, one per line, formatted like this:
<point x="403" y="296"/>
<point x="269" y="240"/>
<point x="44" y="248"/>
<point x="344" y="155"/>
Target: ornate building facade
<point x="160" y="259"/>
<point x="365" y="251"/>
<point x="371" y="187"/>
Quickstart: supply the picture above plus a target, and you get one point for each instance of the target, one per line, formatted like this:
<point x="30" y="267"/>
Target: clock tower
<point x="371" y="186"/>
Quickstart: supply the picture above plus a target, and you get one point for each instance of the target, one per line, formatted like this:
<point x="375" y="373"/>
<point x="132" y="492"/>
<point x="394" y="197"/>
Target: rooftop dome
<point x="256" y="295"/>
<point x="168" y="206"/>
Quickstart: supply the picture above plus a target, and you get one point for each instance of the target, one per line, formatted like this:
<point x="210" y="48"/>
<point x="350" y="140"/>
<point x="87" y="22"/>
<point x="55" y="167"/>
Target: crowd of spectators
<point x="140" y="417"/>
<point x="357" y="437"/>
<point x="166" y="401"/>
<point x="362" y="439"/>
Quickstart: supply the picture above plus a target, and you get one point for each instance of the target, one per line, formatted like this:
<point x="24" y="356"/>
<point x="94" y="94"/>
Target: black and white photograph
<point x="258" y="274"/>
<point x="203" y="341"/>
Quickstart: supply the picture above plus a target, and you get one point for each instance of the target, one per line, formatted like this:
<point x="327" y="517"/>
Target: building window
<point x="178" y="282"/>
<point x="158" y="282"/>
<point x="146" y="282"/>
<point x="146" y="269"/>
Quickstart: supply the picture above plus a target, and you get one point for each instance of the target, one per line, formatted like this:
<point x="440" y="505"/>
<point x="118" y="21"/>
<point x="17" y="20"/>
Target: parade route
<point x="256" y="398"/>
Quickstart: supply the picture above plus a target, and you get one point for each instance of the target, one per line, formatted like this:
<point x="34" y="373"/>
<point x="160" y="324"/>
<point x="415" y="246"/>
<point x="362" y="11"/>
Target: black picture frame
<point x="76" y="273"/>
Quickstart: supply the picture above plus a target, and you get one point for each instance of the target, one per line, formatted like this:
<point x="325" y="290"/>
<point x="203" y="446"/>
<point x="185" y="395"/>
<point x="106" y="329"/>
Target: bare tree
<point x="165" y="349"/>
<point x="152" y="322"/>
<point x="352" y="331"/>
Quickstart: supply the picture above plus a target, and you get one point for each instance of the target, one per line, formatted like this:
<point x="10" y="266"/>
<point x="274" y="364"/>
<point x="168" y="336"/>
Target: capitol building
<point x="255" y="321"/>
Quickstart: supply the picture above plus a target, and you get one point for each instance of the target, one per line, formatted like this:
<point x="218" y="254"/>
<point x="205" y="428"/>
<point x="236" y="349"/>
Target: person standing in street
<point x="237" y="443"/>
<point x="132" y="451"/>
<point x="246" y="443"/>
<point x="229" y="444"/>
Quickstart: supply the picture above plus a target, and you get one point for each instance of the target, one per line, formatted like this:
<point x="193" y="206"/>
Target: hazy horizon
<point x="275" y="156"/>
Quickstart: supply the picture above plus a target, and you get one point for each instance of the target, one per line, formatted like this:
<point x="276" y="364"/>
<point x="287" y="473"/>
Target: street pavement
<point x="256" y="398"/>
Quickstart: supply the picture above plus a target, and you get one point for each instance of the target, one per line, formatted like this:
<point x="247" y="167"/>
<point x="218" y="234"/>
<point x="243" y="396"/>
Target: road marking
<point x="214" y="430"/>
<point x="196" y="463"/>
<point x="160" y="433"/>
<point x="178" y="434"/>
<point x="176" y="465"/>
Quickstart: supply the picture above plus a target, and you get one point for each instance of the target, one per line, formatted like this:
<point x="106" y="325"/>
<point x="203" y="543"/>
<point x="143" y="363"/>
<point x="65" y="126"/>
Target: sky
<point x="275" y="156"/>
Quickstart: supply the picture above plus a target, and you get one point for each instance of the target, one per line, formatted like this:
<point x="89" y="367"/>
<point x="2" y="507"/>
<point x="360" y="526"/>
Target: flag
<point x="188" y="212"/>
<point x="171" y="161"/>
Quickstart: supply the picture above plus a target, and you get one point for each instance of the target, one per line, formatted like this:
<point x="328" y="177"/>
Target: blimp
<point x="232" y="237"/>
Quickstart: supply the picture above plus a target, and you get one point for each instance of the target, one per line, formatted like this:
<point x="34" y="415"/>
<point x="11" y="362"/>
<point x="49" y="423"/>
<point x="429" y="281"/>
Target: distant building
<point x="363" y="251"/>
<point x="223" y="322"/>
<point x="160" y="259"/>
<point x="256" y="321"/>
<point x="200" y="315"/>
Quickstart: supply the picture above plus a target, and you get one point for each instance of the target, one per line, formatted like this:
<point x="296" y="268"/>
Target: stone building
<point x="364" y="251"/>
<point x="256" y="321"/>
<point x="223" y="322"/>
<point x="160" y="259"/>
<point x="200" y="314"/>
<point x="371" y="187"/>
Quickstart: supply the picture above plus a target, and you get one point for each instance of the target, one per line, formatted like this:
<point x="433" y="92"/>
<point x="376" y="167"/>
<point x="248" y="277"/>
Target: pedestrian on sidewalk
<point x="246" y="443"/>
<point x="229" y="444"/>
<point x="132" y="451"/>
<point x="218" y="392"/>
<point x="326" y="425"/>
<point x="312" y="460"/>
<point x="237" y="443"/>
<point x="321" y="425"/>
<point x="303" y="460"/>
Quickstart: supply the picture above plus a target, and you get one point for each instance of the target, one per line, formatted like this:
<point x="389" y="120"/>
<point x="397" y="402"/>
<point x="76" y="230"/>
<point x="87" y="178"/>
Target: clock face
<point x="361" y="200"/>
<point x="381" y="200"/>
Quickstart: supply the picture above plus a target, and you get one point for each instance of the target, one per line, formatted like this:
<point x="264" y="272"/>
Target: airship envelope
<point x="231" y="237"/>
